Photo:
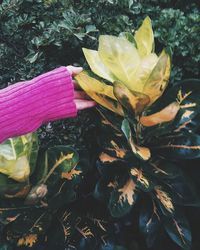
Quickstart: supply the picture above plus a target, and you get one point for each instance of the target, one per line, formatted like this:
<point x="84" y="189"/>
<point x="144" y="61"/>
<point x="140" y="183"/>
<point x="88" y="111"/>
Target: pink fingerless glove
<point x="25" y="106"/>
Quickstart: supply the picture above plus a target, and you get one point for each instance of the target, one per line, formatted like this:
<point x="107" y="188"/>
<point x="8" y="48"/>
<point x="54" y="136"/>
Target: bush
<point x="38" y="35"/>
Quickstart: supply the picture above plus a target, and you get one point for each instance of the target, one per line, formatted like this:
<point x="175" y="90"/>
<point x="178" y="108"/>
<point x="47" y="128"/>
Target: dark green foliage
<point x="158" y="181"/>
<point x="40" y="35"/>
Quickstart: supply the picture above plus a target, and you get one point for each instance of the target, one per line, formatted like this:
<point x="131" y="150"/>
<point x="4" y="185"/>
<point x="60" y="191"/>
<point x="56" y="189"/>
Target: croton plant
<point x="149" y="130"/>
<point x="146" y="130"/>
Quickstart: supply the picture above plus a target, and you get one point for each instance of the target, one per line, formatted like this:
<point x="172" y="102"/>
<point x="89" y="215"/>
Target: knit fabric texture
<point x="26" y="105"/>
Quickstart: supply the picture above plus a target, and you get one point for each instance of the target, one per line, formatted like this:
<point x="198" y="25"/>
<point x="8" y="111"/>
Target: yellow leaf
<point x="17" y="170"/>
<point x="144" y="38"/>
<point x="165" y="115"/>
<point x="143" y="72"/>
<point x="120" y="56"/>
<point x="97" y="65"/>
<point x="100" y="92"/>
<point x="158" y="79"/>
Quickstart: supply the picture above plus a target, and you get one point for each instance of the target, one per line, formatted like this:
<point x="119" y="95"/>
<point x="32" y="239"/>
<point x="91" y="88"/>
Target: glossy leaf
<point x="165" y="115"/>
<point x="143" y="72"/>
<point x="60" y="160"/>
<point x="122" y="198"/>
<point x="97" y="65"/>
<point x="162" y="169"/>
<point x="179" y="146"/>
<point x="149" y="221"/>
<point x="18" y="156"/>
<point x="159" y="77"/>
<point x="141" y="152"/>
<point x="120" y="56"/>
<point x="131" y="100"/>
<point x="100" y="92"/>
<point x="164" y="200"/>
<point x="144" y="38"/>
<point x="179" y="231"/>
<point x="141" y="179"/>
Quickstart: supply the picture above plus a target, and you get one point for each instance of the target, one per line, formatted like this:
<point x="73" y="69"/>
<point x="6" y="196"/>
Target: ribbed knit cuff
<point x="57" y="97"/>
<point x="25" y="106"/>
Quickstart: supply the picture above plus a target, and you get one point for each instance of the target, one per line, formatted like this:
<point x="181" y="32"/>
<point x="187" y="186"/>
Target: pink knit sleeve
<point x="25" y="106"/>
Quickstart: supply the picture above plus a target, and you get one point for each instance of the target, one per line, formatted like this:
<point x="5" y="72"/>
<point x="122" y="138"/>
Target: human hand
<point x="81" y="99"/>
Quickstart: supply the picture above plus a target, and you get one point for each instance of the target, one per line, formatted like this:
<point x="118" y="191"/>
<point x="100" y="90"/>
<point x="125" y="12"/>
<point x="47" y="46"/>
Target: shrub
<point x="39" y="35"/>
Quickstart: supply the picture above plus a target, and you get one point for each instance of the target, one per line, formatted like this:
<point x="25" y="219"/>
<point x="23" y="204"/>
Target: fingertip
<point x="74" y="70"/>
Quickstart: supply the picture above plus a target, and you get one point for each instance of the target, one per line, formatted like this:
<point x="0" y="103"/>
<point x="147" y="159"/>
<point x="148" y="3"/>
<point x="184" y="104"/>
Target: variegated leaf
<point x="164" y="200"/>
<point x="131" y="100"/>
<point x="165" y="115"/>
<point x="159" y="77"/>
<point x="179" y="231"/>
<point x="140" y="151"/>
<point x="178" y="146"/>
<point x="122" y="198"/>
<point x="100" y="92"/>
<point x="120" y="56"/>
<point x="97" y="65"/>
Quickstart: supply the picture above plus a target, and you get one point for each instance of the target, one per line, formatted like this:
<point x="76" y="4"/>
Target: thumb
<point x="82" y="104"/>
<point x="74" y="70"/>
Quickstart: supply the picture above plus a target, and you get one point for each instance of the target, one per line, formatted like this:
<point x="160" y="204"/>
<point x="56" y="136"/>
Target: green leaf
<point x="141" y="179"/>
<point x="60" y="159"/>
<point x="183" y="191"/>
<point x="178" y="146"/>
<point x="162" y="169"/>
<point x="141" y="152"/>
<point x="179" y="231"/>
<point x="144" y="38"/>
<point x="120" y="56"/>
<point x="122" y="198"/>
<point x="96" y="64"/>
<point x="149" y="221"/>
<point x="32" y="57"/>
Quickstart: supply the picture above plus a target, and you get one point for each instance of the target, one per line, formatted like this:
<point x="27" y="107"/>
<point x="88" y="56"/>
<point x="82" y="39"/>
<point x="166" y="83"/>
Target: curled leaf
<point x="131" y="100"/>
<point x="141" y="152"/>
<point x="165" y="115"/>
<point x="100" y="92"/>
<point x="159" y="77"/>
